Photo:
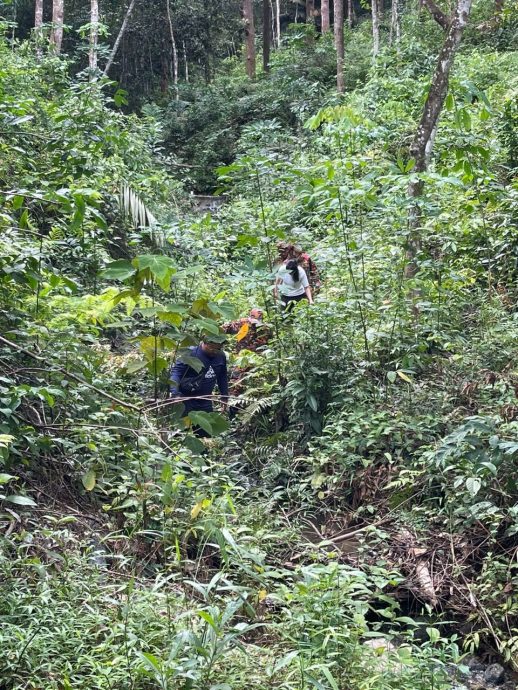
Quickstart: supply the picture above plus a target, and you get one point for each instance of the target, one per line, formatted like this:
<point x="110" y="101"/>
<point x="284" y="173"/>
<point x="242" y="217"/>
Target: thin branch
<point x="69" y="375"/>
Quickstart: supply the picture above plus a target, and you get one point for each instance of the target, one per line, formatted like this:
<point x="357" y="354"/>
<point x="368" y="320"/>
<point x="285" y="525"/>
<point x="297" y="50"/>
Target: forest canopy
<point x="259" y="344"/>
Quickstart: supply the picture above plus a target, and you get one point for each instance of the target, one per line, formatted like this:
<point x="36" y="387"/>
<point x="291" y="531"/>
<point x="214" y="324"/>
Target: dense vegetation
<point x="367" y="487"/>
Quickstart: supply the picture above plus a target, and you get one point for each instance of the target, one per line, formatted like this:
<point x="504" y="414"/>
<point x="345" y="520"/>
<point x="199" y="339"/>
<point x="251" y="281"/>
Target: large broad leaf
<point x="119" y="270"/>
<point x="219" y="423"/>
<point x="159" y="267"/>
<point x="201" y="419"/>
<point x="191" y="361"/>
<point x="194" y="444"/>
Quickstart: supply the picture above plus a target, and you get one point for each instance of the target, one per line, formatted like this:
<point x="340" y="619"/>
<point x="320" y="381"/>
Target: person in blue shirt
<point x="197" y="386"/>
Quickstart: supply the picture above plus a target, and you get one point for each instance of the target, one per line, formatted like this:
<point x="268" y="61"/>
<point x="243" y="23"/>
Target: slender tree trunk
<point x="174" y="49"/>
<point x="94" y="34"/>
<point x="267" y="34"/>
<point x="499" y="6"/>
<point x="339" y="44"/>
<point x="278" y="21"/>
<point x="248" y="14"/>
<point x="310" y="11"/>
<point x="395" y="23"/>
<point x="186" y="63"/>
<point x="38" y="24"/>
<point x="375" y="28"/>
<point x="119" y="38"/>
<point x="324" y="10"/>
<point x="56" y="36"/>
<point x="422" y="144"/>
<point x="350" y="13"/>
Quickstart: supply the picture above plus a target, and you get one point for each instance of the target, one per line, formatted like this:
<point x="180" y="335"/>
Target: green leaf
<point x="391" y="376"/>
<point x="433" y="634"/>
<point x="119" y="270"/>
<point x="473" y="485"/>
<point x="5" y="478"/>
<point x="150" y="660"/>
<point x="160" y="267"/>
<point x="194" y="445"/>
<point x="89" y="479"/>
<point x="329" y="676"/>
<point x="208" y="618"/>
<point x="20" y="500"/>
<point x="201" y="419"/>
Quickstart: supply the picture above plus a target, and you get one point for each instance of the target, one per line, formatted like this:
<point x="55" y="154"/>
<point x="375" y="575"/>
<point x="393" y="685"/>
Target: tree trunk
<point x="350" y="14"/>
<point x="119" y="38"/>
<point x="375" y="28"/>
<point x="310" y="11"/>
<point x="422" y="144"/>
<point x="38" y="24"/>
<point x="174" y="49"/>
<point x="395" y="23"/>
<point x="186" y="63"/>
<point x="278" y="21"/>
<point x="267" y="34"/>
<point x="324" y="9"/>
<point x="248" y="14"/>
<point x="38" y="14"/>
<point x="94" y="34"/>
<point x="339" y="44"/>
<point x="56" y="35"/>
<point x="499" y="6"/>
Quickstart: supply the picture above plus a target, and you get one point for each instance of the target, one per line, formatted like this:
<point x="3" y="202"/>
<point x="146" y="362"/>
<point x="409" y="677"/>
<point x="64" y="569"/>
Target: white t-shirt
<point x="290" y="287"/>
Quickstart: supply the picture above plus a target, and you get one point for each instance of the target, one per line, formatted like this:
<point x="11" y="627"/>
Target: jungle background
<point x="355" y="526"/>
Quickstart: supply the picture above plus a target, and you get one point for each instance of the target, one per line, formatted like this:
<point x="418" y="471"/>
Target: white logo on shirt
<point x="211" y="374"/>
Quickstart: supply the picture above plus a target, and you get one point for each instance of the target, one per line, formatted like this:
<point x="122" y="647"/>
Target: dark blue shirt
<point x="215" y="369"/>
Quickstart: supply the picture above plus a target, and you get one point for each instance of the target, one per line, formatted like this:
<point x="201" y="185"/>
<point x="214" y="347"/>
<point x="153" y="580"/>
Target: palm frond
<point x="136" y="211"/>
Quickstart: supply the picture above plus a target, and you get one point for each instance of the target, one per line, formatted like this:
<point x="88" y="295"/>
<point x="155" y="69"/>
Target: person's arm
<point x="222" y="379"/>
<point x="278" y="281"/>
<point x="177" y="374"/>
<point x="305" y="285"/>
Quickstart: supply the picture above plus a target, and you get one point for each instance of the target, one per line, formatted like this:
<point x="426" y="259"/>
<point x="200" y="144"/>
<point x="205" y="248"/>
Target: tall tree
<point x="94" y="34"/>
<point x="324" y="10"/>
<point x="120" y="35"/>
<point x="38" y="24"/>
<point x="56" y="35"/>
<point x="395" y="23"/>
<point x="339" y="43"/>
<point x="278" y="21"/>
<point x="38" y="14"/>
<point x="248" y="15"/>
<point x="310" y="11"/>
<point x="173" y="48"/>
<point x="375" y="28"/>
<point x="422" y="144"/>
<point x="267" y="34"/>
<point x="350" y="13"/>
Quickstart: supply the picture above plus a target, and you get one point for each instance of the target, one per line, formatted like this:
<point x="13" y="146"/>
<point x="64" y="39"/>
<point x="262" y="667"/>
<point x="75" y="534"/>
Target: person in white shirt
<point x="292" y="285"/>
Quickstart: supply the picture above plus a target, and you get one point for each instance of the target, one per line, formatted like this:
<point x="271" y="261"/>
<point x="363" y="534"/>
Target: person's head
<point x="285" y="250"/>
<point x="293" y="268"/>
<point x="212" y="346"/>
<point x="256" y="314"/>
